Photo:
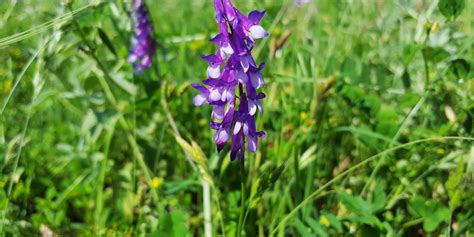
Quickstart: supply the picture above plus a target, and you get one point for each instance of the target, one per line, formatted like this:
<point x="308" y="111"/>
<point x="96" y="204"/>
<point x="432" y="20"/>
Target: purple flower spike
<point x="143" y="44"/>
<point x="233" y="68"/>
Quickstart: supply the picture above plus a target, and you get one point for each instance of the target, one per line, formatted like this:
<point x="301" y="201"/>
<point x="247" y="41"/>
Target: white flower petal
<point x="245" y="63"/>
<point x="222" y="53"/>
<point x="214" y="72"/>
<point x="132" y="58"/>
<point x="252" y="107"/>
<point x="246" y="129"/>
<point x="260" y="107"/>
<point x="215" y="95"/>
<point x="199" y="100"/>
<point x="227" y="49"/>
<point x="230" y="95"/>
<point x="237" y="127"/>
<point x="224" y="95"/>
<point x="222" y="136"/>
<point x="257" y="32"/>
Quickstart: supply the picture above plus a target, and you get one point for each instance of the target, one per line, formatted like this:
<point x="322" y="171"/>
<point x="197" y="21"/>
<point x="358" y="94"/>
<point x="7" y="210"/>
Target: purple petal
<point x="219" y="39"/>
<point x="260" y="107"/>
<point x="212" y="82"/>
<point x="245" y="63"/>
<point x="260" y="96"/>
<point x="230" y="11"/>
<point x="252" y="143"/>
<point x="256" y="79"/>
<point x="255" y="16"/>
<point x="212" y="59"/>
<point x="242" y="77"/>
<point x="221" y="136"/>
<point x="200" y="88"/>
<point x="218" y="112"/>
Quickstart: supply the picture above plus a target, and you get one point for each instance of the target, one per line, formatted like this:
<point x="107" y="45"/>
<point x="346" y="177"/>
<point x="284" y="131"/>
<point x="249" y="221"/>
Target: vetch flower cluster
<point x="230" y="69"/>
<point x="143" y="44"/>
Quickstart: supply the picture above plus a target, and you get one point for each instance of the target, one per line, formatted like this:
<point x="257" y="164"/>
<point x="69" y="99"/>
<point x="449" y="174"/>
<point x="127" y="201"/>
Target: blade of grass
<point x="393" y="141"/>
<point x="22" y="74"/>
<point x="283" y="10"/>
<point x="103" y="171"/>
<point x="8" y="12"/>
<point x="6" y="41"/>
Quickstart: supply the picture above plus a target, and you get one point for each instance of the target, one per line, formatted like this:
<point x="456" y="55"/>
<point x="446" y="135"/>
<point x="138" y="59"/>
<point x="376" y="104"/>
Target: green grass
<point x="369" y="118"/>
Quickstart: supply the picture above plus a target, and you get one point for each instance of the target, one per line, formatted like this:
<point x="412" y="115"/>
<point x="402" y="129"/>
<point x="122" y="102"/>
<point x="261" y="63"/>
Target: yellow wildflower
<point x="303" y="115"/>
<point x="440" y="151"/>
<point x="156" y="183"/>
<point x="324" y="221"/>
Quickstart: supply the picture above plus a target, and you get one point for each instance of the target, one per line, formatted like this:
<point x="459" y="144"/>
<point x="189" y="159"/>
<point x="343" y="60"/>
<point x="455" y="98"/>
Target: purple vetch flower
<point x="143" y="44"/>
<point x="230" y="69"/>
<point x="299" y="3"/>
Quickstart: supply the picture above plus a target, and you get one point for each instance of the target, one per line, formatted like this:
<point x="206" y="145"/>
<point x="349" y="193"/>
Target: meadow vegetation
<point x="369" y="118"/>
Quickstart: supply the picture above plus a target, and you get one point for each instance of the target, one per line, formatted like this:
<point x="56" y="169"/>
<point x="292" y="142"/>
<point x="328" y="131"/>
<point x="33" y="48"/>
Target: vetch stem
<point x="242" y="197"/>
<point x="206" y="192"/>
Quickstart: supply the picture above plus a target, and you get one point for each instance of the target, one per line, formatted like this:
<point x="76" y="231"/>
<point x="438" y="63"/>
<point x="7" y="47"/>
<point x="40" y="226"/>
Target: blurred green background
<point x="369" y="116"/>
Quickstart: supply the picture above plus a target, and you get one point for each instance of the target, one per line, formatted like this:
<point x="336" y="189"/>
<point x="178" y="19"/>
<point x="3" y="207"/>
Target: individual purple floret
<point x="233" y="68"/>
<point x="143" y="44"/>
<point x="299" y="3"/>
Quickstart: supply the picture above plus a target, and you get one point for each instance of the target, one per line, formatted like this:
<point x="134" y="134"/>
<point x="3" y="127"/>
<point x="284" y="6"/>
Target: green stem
<point x="450" y="223"/>
<point x="425" y="59"/>
<point x="103" y="171"/>
<point x="393" y="141"/>
<point x="427" y="71"/>
<point x="413" y="223"/>
<point x="242" y="198"/>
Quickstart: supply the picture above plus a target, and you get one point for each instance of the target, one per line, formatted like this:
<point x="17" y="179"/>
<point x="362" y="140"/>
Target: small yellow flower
<point x="311" y="122"/>
<point x="156" y="183"/>
<point x="440" y="151"/>
<point x="435" y="27"/>
<point x="324" y="221"/>
<point x="303" y="115"/>
<point x="7" y="86"/>
<point x="197" y="44"/>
